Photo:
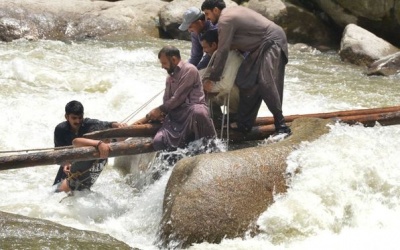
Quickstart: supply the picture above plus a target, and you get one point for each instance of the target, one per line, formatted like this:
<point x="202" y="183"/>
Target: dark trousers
<point x="268" y="88"/>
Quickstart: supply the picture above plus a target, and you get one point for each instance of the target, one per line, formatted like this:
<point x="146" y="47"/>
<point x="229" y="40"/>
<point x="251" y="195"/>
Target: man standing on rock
<point x="195" y="22"/>
<point x="184" y="114"/>
<point x="261" y="75"/>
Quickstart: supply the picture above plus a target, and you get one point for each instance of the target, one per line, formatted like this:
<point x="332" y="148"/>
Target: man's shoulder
<point x="233" y="12"/>
<point x="95" y="124"/>
<point x="90" y="121"/>
<point x="62" y="125"/>
<point x="186" y="66"/>
<point x="210" y="26"/>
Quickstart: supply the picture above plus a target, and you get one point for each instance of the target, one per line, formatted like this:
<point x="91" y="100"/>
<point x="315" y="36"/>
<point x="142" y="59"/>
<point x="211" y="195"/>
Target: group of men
<point x="237" y="59"/>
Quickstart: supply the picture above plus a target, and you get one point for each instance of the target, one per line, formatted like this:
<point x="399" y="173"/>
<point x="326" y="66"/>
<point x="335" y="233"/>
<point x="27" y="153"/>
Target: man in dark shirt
<point x="195" y="22"/>
<point x="75" y="126"/>
<point x="81" y="175"/>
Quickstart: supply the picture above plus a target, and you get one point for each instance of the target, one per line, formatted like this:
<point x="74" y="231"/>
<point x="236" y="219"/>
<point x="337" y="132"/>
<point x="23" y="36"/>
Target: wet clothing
<point x="85" y="173"/>
<point x="63" y="136"/>
<point x="197" y="57"/>
<point x="248" y="31"/>
<point x="187" y="115"/>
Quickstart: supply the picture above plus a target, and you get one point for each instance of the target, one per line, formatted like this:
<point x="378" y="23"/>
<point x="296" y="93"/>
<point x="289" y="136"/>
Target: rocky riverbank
<point x="321" y="24"/>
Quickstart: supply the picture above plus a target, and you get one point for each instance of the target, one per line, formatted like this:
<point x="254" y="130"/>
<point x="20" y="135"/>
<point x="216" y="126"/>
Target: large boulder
<point x="361" y="47"/>
<point x="214" y="196"/>
<point x="300" y="25"/>
<point x="21" y="232"/>
<point x="381" y="17"/>
<point x="79" y="19"/>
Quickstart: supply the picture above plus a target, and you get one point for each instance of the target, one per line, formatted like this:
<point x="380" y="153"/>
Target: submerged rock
<point x="21" y="232"/>
<point x="388" y="65"/>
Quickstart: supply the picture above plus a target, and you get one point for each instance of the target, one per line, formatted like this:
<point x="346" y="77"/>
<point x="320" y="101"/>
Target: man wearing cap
<point x="195" y="22"/>
<point x="261" y="75"/>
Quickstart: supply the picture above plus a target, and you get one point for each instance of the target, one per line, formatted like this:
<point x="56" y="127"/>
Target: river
<point x="346" y="197"/>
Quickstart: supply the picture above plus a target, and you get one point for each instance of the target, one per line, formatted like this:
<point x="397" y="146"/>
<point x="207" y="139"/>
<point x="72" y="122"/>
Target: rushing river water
<point x="346" y="197"/>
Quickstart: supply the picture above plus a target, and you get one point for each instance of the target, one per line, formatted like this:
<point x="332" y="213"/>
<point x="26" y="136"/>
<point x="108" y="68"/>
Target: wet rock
<point x="300" y="25"/>
<point x="381" y="17"/>
<point x="21" y="232"/>
<point x="361" y="47"/>
<point x="388" y="65"/>
<point x="78" y="20"/>
<point x="214" y="196"/>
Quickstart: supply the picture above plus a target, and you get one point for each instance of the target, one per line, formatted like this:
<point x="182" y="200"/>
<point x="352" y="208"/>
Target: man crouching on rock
<point x="184" y="113"/>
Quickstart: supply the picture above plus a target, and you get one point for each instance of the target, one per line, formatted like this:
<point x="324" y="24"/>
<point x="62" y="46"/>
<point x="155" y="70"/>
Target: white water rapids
<point x="346" y="196"/>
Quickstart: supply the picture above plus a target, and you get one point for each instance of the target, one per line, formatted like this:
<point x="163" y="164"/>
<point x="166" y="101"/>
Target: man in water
<point x="223" y="92"/>
<point x="195" y="22"/>
<point x="75" y="126"/>
<point x="82" y="175"/>
<point x="184" y="114"/>
<point x="261" y="75"/>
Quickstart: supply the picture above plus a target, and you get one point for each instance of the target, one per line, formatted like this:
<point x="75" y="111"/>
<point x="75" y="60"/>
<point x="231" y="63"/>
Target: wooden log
<point x="366" y="116"/>
<point x="369" y="120"/>
<point x="355" y="112"/>
<point x="139" y="146"/>
<point x="145" y="130"/>
<point x="129" y="147"/>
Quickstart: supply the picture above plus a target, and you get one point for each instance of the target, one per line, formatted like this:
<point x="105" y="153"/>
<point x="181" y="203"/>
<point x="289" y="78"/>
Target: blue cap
<point x="191" y="15"/>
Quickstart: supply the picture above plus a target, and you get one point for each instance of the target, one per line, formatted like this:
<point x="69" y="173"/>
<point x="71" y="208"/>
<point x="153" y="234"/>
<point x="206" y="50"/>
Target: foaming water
<point x="345" y="195"/>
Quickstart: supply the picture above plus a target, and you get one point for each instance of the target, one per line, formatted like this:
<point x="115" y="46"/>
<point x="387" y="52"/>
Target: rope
<point x="225" y="110"/>
<point x="66" y="147"/>
<point x="140" y="108"/>
<point x="78" y="173"/>
<point x="34" y="149"/>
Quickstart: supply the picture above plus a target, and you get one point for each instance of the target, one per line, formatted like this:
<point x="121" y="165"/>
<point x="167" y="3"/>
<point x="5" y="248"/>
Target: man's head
<point x="193" y="20"/>
<point x="209" y="41"/>
<point x="74" y="114"/>
<point x="212" y="9"/>
<point x="169" y="57"/>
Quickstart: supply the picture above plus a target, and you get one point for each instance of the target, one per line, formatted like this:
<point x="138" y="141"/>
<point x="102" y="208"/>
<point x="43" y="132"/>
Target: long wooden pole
<point x="367" y="116"/>
<point x="369" y="120"/>
<point x="339" y="114"/>
<point x="138" y="146"/>
<point x="77" y="154"/>
<point x="145" y="130"/>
